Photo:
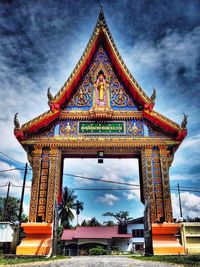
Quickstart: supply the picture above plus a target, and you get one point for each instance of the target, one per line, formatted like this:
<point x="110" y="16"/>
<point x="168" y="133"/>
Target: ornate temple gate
<point x="100" y="108"/>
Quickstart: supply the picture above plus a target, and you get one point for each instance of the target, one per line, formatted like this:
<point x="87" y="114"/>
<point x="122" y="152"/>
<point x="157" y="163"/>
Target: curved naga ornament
<point x="184" y="122"/>
<point x="16" y="121"/>
<point x="49" y="94"/>
<point x="153" y="96"/>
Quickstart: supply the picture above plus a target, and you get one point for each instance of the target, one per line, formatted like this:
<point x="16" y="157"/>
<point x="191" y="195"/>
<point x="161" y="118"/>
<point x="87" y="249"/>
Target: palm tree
<point x="66" y="206"/>
<point x="79" y="207"/>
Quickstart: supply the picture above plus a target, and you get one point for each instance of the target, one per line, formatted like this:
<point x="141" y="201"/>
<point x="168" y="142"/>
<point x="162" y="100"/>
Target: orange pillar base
<point x="38" y="240"/>
<point x="164" y="240"/>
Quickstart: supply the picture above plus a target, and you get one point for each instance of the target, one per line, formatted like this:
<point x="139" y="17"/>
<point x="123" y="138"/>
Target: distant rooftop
<point x="93" y="232"/>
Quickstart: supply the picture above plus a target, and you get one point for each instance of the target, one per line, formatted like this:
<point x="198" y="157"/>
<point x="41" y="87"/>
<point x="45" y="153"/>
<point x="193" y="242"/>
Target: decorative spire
<point x="153" y="96"/>
<point x="49" y="94"/>
<point x="101" y="19"/>
<point x="16" y="121"/>
<point x="184" y="122"/>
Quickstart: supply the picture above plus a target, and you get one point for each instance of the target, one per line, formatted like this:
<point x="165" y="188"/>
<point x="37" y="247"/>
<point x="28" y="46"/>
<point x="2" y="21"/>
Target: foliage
<point x="84" y="223"/>
<point x="109" y="223"/>
<point x="97" y="251"/>
<point x="121" y="216"/>
<point x="79" y="207"/>
<point x="115" y="250"/>
<point x="195" y="219"/>
<point x="18" y="260"/>
<point x="188" y="260"/>
<point x="60" y="242"/>
<point x="12" y="210"/>
<point x="92" y="222"/>
<point x="66" y="206"/>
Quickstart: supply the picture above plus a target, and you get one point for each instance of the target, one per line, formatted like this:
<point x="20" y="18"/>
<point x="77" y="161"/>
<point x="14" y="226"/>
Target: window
<point x="137" y="233"/>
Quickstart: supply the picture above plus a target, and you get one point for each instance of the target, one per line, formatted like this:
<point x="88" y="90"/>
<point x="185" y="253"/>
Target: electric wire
<point x="5" y="155"/>
<point x="13" y="169"/>
<point x="20" y="162"/>
<point x="187" y="210"/>
<point x="99" y="180"/>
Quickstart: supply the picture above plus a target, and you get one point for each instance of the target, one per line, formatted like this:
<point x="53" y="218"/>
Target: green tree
<point x="121" y="216"/>
<point x="84" y="223"/>
<point x="79" y="207"/>
<point x="93" y="222"/>
<point x="11" y="211"/>
<point x="109" y="223"/>
<point x="66" y="206"/>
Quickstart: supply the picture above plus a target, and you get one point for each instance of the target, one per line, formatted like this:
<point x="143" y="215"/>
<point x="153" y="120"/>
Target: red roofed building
<point x="85" y="237"/>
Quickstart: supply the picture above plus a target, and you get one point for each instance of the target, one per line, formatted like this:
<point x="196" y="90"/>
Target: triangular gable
<point x="135" y="97"/>
<point x="83" y="96"/>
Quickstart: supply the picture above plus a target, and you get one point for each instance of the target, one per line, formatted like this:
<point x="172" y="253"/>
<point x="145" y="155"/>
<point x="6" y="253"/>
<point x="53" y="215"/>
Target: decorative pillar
<point x="36" y="159"/>
<point x="148" y="190"/>
<point x="53" y="183"/>
<point x="45" y="182"/>
<point x="165" y="164"/>
<point x="156" y="188"/>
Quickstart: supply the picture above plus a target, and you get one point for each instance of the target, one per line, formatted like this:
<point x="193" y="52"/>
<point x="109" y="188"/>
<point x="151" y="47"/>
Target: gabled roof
<point x="93" y="232"/>
<point x="101" y="36"/>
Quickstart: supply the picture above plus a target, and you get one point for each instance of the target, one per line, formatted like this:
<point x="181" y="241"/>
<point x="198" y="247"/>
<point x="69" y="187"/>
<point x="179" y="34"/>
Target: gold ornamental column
<point x="165" y="164"/>
<point x="36" y="159"/>
<point x="53" y="183"/>
<point x="46" y="164"/>
<point x="148" y="189"/>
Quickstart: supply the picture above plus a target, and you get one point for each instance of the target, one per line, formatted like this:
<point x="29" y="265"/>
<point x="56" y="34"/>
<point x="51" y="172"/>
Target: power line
<point x="103" y="189"/>
<point x="99" y="180"/>
<point x="5" y="155"/>
<point x="13" y="169"/>
<point x="185" y="211"/>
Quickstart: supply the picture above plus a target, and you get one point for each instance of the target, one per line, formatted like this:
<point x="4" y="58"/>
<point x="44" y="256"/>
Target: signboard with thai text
<point x="101" y="127"/>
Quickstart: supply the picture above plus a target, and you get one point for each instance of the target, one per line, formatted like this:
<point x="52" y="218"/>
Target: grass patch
<point x="18" y="260"/>
<point x="188" y="260"/>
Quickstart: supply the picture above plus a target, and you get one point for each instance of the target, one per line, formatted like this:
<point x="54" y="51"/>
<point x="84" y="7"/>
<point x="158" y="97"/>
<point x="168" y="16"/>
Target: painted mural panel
<point x="100" y="86"/>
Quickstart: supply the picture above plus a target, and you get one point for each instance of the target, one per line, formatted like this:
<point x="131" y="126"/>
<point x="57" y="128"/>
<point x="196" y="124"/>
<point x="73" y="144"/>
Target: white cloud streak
<point x="108" y="199"/>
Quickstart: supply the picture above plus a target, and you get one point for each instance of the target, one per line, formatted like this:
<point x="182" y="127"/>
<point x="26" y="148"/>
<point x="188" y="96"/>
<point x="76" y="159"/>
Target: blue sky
<point x="41" y="42"/>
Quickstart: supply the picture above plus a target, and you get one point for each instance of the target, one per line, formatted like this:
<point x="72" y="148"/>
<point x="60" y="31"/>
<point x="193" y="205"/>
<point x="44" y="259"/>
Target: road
<point x="98" y="261"/>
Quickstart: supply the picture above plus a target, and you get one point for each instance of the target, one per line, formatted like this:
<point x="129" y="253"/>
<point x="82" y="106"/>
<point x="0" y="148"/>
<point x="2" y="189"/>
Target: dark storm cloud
<point x="42" y="40"/>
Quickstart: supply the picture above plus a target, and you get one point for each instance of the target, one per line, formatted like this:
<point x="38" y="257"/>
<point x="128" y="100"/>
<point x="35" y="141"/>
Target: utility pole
<point x="22" y="194"/>
<point x="181" y="214"/>
<point x="6" y="202"/>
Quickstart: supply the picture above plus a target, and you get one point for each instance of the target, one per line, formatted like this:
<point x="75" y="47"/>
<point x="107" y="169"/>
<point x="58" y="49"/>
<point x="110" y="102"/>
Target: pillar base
<point x="164" y="240"/>
<point x="38" y="240"/>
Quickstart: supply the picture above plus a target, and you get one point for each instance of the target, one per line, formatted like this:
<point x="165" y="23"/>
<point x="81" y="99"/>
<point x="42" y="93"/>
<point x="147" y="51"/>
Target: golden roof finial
<point x="16" y="121"/>
<point x="184" y="122"/>
<point x="49" y="94"/>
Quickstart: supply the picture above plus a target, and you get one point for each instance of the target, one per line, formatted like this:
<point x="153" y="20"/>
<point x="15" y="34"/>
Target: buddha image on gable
<point x="101" y="89"/>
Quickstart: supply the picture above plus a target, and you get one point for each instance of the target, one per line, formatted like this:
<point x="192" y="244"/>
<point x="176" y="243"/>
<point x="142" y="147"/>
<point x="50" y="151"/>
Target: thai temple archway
<point x="101" y="107"/>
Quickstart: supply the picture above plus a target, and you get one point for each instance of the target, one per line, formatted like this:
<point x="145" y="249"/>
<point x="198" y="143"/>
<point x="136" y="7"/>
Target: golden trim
<point x="99" y="142"/>
<point x="85" y="114"/>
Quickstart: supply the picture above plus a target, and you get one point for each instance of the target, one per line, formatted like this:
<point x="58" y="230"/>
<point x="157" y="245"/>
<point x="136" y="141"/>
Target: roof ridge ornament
<point x="49" y="94"/>
<point x="16" y="121"/>
<point x="153" y="96"/>
<point x="184" y="122"/>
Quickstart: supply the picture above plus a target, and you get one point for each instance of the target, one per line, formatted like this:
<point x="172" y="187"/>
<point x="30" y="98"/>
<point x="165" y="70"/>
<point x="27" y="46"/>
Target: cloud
<point x="108" y="199"/>
<point x="15" y="177"/>
<point x="117" y="170"/>
<point x="175" y="55"/>
<point x="132" y="194"/>
<point x="190" y="205"/>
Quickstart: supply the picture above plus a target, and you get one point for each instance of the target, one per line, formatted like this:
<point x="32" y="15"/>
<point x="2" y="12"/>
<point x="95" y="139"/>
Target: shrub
<point x="97" y="251"/>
